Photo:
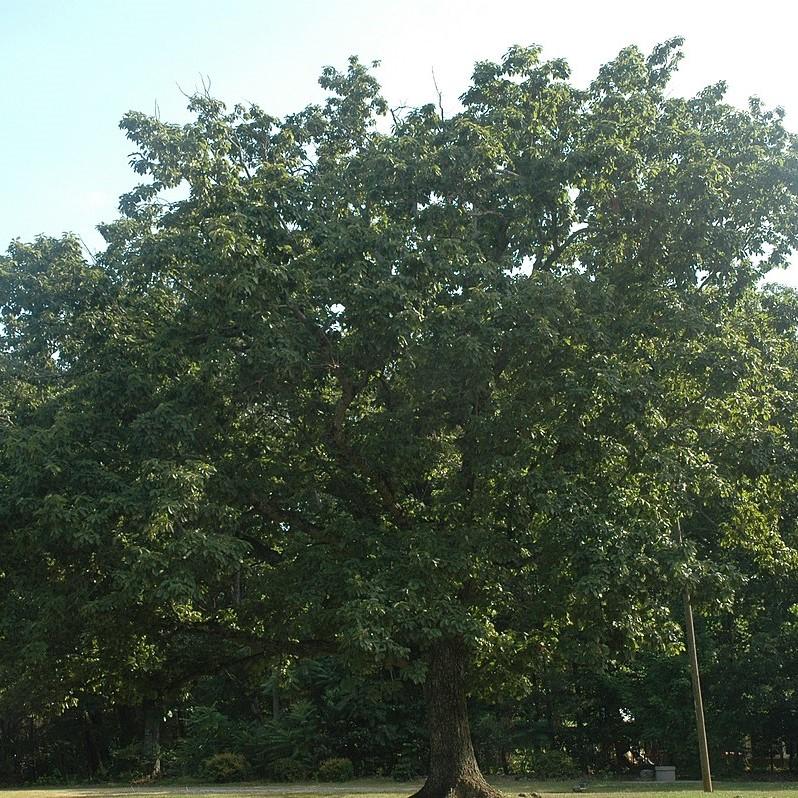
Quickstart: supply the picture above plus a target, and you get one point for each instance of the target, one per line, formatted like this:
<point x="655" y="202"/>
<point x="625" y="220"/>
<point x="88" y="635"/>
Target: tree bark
<point x="152" y="735"/>
<point x="93" y="755"/>
<point x="453" y="769"/>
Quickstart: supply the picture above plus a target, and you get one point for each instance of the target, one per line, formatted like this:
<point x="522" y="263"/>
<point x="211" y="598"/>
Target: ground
<point x="390" y="789"/>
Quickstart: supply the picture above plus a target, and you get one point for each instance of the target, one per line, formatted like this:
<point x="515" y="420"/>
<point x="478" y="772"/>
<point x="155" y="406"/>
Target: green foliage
<point x="287" y="769"/>
<point x="130" y="762"/>
<point x="225" y="767"/>
<point x="293" y="737"/>
<point x="336" y="768"/>
<point x="552" y="764"/>
<point x="405" y="770"/>
<point x="368" y="387"/>
<point x="208" y="732"/>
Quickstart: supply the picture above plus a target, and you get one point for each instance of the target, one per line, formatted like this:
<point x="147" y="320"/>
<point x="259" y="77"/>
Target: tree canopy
<point x="426" y="392"/>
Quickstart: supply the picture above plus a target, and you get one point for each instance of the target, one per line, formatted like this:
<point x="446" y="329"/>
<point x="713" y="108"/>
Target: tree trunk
<point x="453" y="769"/>
<point x="93" y="756"/>
<point x="152" y="735"/>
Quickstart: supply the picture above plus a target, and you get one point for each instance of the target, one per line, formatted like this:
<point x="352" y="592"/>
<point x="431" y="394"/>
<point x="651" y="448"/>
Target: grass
<point x="372" y="788"/>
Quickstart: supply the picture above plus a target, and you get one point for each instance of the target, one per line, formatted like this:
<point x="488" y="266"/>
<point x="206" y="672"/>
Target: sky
<point x="69" y="70"/>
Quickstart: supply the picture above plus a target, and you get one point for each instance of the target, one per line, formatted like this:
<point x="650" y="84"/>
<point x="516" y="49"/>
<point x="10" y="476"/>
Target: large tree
<point x="430" y="393"/>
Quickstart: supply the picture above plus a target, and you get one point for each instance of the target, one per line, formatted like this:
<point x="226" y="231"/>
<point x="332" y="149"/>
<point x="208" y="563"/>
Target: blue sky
<point x="70" y="69"/>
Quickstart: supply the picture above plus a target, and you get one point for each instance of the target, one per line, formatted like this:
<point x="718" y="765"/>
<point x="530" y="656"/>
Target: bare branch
<point x="91" y="255"/>
<point x="440" y="96"/>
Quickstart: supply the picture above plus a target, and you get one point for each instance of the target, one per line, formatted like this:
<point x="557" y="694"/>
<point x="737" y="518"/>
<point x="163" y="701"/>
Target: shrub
<point x="130" y="762"/>
<point x="52" y="779"/>
<point x="404" y="770"/>
<point x="338" y="768"/>
<point x="225" y="767"/>
<point x="552" y="764"/>
<point x="287" y="769"/>
<point x="208" y="732"/>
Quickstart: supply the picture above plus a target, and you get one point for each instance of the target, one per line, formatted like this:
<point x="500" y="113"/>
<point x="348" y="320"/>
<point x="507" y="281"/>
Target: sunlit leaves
<point x="359" y="384"/>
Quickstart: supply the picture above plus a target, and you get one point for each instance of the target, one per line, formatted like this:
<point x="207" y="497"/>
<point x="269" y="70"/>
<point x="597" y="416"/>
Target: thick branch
<point x="346" y="453"/>
<point x="281" y="516"/>
<point x="560" y="248"/>
<point x="261" y="550"/>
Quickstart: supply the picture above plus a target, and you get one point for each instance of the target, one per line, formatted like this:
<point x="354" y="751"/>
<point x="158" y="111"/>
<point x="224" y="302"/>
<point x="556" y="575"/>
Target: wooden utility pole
<point x="701" y="729"/>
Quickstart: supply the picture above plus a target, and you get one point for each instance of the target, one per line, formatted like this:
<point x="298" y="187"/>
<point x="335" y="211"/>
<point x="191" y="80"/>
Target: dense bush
<point x="337" y="768"/>
<point x="208" y="731"/>
<point x="224" y="767"/>
<point x="552" y="764"/>
<point x="404" y="770"/>
<point x="130" y="762"/>
<point x="287" y="769"/>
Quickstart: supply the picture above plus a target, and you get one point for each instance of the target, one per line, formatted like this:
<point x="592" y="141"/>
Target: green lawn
<point x="390" y="789"/>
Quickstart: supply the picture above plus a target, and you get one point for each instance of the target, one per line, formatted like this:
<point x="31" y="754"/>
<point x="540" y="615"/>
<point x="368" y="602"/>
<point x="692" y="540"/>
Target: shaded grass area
<point x="390" y="789"/>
